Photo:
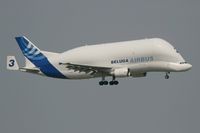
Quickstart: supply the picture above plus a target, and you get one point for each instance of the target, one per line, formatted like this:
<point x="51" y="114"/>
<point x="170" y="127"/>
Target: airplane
<point x="117" y="60"/>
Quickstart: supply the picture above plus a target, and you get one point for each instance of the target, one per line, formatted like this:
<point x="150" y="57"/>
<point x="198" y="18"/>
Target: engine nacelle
<point x="121" y="72"/>
<point x="138" y="75"/>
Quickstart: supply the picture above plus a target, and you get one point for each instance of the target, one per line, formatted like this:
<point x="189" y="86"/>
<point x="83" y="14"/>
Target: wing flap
<point x="87" y="68"/>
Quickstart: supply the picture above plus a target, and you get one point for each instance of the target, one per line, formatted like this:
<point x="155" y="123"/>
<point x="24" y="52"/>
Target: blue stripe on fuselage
<point x="47" y="68"/>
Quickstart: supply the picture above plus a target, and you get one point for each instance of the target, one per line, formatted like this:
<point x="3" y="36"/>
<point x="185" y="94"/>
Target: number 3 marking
<point x="12" y="63"/>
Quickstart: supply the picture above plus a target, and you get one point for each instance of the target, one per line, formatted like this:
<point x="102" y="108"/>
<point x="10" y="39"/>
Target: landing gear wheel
<point x="101" y="83"/>
<point x="111" y="82"/>
<point x="116" y="82"/>
<point x="105" y="82"/>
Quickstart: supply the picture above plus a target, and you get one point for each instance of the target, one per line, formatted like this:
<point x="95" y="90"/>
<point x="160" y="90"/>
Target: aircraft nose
<point x="188" y="66"/>
<point x="181" y="67"/>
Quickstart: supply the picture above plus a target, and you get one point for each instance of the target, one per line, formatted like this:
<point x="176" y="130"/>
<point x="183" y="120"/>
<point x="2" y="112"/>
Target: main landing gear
<point x="167" y="75"/>
<point x="104" y="82"/>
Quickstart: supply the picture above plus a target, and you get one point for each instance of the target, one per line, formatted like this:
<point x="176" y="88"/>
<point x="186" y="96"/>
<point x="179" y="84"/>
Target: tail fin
<point x="32" y="53"/>
<point x="37" y="57"/>
<point x="28" y="64"/>
<point x="29" y="50"/>
<point x="12" y="63"/>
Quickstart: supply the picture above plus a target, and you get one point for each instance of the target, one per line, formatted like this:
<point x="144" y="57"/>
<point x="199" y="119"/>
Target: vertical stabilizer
<point x="37" y="58"/>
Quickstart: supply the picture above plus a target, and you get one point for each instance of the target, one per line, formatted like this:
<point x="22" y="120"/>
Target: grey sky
<point x="34" y="104"/>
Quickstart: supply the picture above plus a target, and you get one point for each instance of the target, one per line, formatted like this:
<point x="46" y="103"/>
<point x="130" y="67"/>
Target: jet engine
<point x="138" y="75"/>
<point x="121" y="72"/>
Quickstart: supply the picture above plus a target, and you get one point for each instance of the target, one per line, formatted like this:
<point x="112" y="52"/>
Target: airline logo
<point x="29" y="50"/>
<point x="133" y="60"/>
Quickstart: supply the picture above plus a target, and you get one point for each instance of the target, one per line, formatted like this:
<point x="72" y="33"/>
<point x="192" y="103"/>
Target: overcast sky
<point x="35" y="104"/>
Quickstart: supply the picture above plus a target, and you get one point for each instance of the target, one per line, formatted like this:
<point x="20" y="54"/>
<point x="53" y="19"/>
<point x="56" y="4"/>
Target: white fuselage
<point x="138" y="56"/>
<point x="119" y="59"/>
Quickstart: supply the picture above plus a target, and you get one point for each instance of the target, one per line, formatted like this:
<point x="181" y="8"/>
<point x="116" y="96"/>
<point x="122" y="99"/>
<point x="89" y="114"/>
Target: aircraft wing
<point x="87" y="68"/>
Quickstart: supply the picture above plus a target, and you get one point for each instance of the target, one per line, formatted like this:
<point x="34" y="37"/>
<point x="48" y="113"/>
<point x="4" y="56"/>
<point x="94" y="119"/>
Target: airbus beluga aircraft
<point x="120" y="59"/>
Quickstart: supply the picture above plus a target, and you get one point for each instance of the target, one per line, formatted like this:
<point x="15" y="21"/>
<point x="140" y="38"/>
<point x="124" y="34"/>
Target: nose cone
<point x="180" y="67"/>
<point x="188" y="66"/>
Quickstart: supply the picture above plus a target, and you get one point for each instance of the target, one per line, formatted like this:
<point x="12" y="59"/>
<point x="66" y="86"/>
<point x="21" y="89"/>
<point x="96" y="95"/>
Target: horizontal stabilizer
<point x="31" y="70"/>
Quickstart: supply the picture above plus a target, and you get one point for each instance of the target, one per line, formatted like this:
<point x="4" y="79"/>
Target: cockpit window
<point x="176" y="50"/>
<point x="183" y="62"/>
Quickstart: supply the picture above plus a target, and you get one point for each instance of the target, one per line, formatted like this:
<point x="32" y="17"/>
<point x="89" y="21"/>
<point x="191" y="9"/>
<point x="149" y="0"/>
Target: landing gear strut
<point x="167" y="75"/>
<point x="113" y="82"/>
<point x="103" y="81"/>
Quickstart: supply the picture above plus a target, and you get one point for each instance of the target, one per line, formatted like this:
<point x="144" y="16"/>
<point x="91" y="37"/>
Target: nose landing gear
<point x="167" y="75"/>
